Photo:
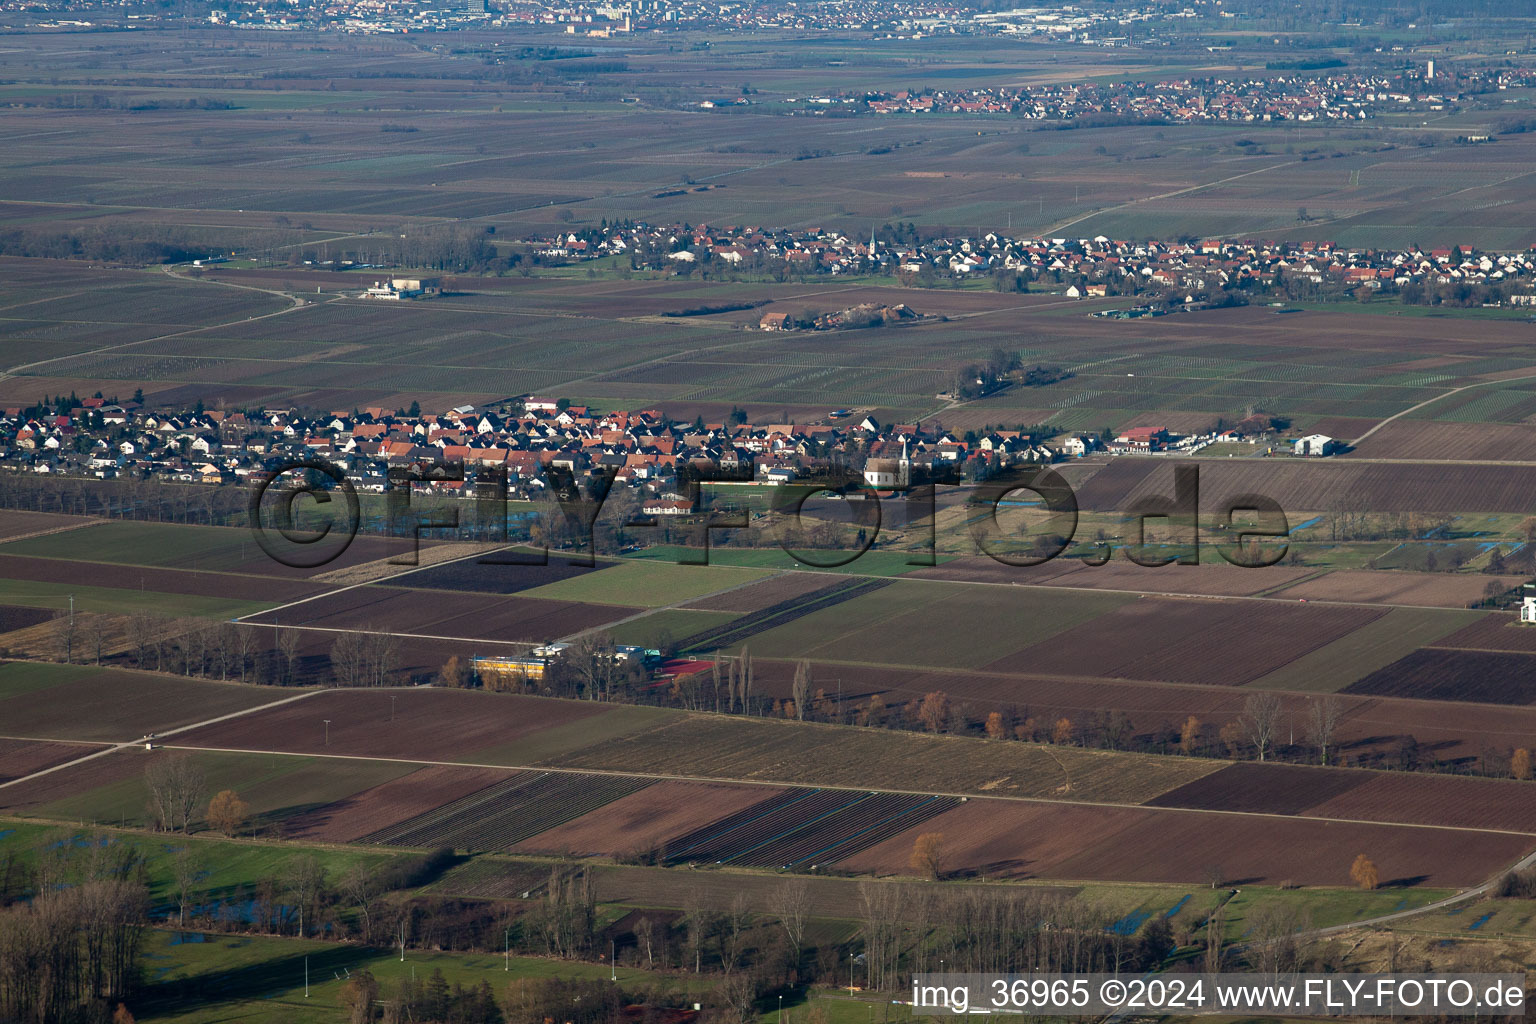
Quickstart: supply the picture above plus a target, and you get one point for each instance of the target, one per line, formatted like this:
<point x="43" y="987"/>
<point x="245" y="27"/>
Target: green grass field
<point x="938" y="625"/>
<point x="222" y="978"/>
<point x="647" y="584"/>
<point x="667" y="625"/>
<point x="35" y="594"/>
<point x="224" y="865"/>
<point x="132" y="543"/>
<point x="274" y="785"/>
<point x="1375" y="645"/>
<point x="870" y="563"/>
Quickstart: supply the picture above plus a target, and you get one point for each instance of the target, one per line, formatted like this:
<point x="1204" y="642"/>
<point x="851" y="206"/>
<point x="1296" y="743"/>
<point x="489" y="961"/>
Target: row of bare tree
<point x="187" y="645"/>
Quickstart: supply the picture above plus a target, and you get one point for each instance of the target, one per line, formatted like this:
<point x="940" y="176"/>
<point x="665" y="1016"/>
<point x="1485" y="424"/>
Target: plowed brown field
<point x="390" y="803"/>
<point x="1502" y="804"/>
<point x="1301" y="486"/>
<point x="1494" y="632"/>
<point x="1420" y="589"/>
<point x="165" y="581"/>
<point x="1434" y="673"/>
<point x="1215" y="580"/>
<point x="428" y="725"/>
<point x="1019" y="840"/>
<point x="1263" y="789"/>
<point x="647" y="819"/>
<point x="19" y="758"/>
<point x="1192" y="641"/>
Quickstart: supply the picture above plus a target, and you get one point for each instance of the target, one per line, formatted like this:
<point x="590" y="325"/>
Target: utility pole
<point x="506" y="938"/>
<point x="613" y="965"/>
<point x="327" y="722"/>
<point x="306" y="977"/>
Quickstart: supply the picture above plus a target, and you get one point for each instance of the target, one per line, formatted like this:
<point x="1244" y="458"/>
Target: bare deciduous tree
<point x="1323" y="714"/>
<point x="1261" y="716"/>
<point x="306" y="878"/>
<point x="733" y="932"/>
<point x="800" y="689"/>
<point x="141" y="634"/>
<point x="792" y="906"/>
<point x="288" y="654"/>
<point x="66" y="634"/>
<point x="186" y="868"/>
<point x="100" y="625"/>
<point x="176" y="789"/>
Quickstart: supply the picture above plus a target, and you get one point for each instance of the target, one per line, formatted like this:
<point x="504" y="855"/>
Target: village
<point x="1337" y="96"/>
<point x="523" y="440"/>
<point x="1222" y="271"/>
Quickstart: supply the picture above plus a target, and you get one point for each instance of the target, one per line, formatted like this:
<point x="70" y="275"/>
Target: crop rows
<point x="509" y="812"/>
<point x="747" y="627"/>
<point x="492" y="880"/>
<point x="807" y="826"/>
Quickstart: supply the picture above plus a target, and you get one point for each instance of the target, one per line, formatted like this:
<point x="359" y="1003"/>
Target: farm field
<point x="1423" y="589"/>
<point x="776" y="589"/>
<point x="653" y="818"/>
<point x="19" y="758"/>
<point x="489" y="576"/>
<point x="804" y="754"/>
<point x="1262" y="789"/>
<point x="448" y="615"/>
<point x="1310" y="487"/>
<point x="111" y="789"/>
<point x="44" y="701"/>
<point x="221" y="549"/>
<point x="1212" y="578"/>
<point x="1188" y="640"/>
<point x="507" y="812"/>
<point x="1498" y="804"/>
<point x="421" y="725"/>
<point x="1373" y="646"/>
<point x="1369" y="725"/>
<point x="659" y="628"/>
<point x="1419" y="799"/>
<point x="1077" y="842"/>
<point x="647" y="584"/>
<point x="1462" y="442"/>
<point x="399" y="798"/>
<point x="1492" y="633"/>
<point x="1434" y="673"/>
<point x="15" y="524"/>
<point x="806" y="829"/>
<point x="251" y="590"/>
<point x="17" y="617"/>
<point x="123" y="601"/>
<point x="821" y="602"/>
<point x="931" y="624"/>
<point x="870" y="563"/>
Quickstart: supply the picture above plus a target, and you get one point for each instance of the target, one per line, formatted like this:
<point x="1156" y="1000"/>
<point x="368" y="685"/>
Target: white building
<point x="1316" y="445"/>
<point x="889" y="474"/>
